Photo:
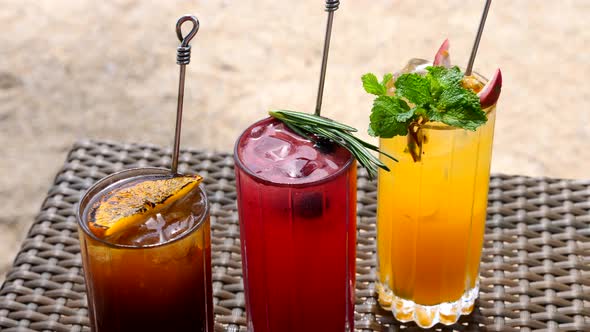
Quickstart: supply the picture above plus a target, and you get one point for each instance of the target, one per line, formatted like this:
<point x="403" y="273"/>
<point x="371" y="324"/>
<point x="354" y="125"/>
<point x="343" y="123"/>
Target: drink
<point x="431" y="218"/>
<point x="152" y="274"/>
<point x="297" y="207"/>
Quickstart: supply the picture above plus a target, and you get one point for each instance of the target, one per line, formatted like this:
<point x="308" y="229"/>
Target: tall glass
<point x="297" y="208"/>
<point x="149" y="284"/>
<point x="430" y="221"/>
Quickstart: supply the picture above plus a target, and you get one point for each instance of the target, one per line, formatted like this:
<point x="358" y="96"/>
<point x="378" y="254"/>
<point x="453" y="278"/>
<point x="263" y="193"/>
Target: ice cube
<point x="414" y="66"/>
<point x="140" y="235"/>
<point x="144" y="233"/>
<point x="299" y="167"/>
<point x="156" y="225"/>
<point x="273" y="148"/>
<point x="177" y="227"/>
<point x="309" y="167"/>
<point x="256" y="132"/>
<point x="308" y="152"/>
<point x="193" y="202"/>
<point x="143" y="239"/>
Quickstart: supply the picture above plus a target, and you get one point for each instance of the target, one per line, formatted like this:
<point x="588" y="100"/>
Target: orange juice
<point x="430" y="222"/>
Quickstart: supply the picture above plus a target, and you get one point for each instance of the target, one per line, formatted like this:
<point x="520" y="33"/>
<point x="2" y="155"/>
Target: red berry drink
<point x="297" y="208"/>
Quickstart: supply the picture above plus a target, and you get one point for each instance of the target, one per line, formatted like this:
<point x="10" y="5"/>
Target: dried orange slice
<point x="127" y="206"/>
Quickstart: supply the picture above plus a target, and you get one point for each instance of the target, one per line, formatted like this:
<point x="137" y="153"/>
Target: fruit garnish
<point x="442" y="57"/>
<point x="309" y="205"/>
<point x="490" y="93"/>
<point x="439" y="93"/>
<point x="125" y="207"/>
<point x="437" y="96"/>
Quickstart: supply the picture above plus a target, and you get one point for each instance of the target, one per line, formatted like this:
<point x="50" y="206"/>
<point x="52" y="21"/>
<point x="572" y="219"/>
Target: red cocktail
<point x="297" y="208"/>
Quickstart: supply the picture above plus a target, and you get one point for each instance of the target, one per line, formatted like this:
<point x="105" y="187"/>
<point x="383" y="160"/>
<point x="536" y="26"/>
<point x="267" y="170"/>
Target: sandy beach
<point x="106" y="70"/>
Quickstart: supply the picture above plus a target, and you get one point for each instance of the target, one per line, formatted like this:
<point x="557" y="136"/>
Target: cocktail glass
<point x="297" y="209"/>
<point x="431" y="216"/>
<point x="152" y="278"/>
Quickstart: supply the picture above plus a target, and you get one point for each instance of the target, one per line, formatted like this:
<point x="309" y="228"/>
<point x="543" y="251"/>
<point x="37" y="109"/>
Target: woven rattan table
<point x="535" y="274"/>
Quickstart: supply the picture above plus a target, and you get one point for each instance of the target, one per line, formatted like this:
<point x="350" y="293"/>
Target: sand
<point x="106" y="69"/>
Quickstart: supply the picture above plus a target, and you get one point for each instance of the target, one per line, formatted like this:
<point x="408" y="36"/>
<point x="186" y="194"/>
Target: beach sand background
<point x="106" y="70"/>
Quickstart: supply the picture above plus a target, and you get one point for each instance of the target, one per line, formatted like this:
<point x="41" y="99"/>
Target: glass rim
<point x="441" y="126"/>
<point x="119" y="176"/>
<point x="238" y="162"/>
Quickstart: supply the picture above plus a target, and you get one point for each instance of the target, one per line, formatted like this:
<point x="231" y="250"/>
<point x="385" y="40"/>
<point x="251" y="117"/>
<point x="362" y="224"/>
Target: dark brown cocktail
<point x="145" y="243"/>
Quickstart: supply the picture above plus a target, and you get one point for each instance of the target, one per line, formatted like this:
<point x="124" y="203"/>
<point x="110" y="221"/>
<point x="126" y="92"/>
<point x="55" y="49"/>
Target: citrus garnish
<point x="127" y="206"/>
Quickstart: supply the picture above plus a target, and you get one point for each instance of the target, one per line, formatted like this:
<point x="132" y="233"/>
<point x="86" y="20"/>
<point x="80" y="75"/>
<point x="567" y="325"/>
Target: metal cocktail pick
<point x="482" y="22"/>
<point x="183" y="58"/>
<point x="331" y="7"/>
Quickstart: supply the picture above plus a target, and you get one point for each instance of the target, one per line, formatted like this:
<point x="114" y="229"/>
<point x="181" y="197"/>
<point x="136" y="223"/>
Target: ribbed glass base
<point x="427" y="315"/>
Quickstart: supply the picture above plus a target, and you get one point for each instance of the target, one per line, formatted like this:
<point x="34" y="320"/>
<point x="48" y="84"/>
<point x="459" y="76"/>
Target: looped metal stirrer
<point x="183" y="58"/>
<point x="331" y="7"/>
<point x="482" y="23"/>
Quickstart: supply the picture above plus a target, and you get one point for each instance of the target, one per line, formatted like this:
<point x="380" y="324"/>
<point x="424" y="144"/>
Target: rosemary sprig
<point x="315" y="128"/>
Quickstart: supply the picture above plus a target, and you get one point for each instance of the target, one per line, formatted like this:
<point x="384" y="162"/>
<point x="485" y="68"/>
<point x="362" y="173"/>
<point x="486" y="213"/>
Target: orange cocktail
<point x="431" y="219"/>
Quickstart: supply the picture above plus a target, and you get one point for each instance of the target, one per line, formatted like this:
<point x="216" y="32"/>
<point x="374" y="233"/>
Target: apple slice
<point x="490" y="93"/>
<point x="442" y="57"/>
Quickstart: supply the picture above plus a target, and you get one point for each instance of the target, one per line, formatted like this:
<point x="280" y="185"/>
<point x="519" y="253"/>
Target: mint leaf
<point x="447" y="77"/>
<point x="372" y="85"/>
<point x="433" y="114"/>
<point x="384" y="126"/>
<point x="405" y="116"/>
<point x="442" y="78"/>
<point x="389" y="117"/>
<point x="386" y="79"/>
<point x="398" y="108"/>
<point x="437" y="96"/>
<point x="413" y="87"/>
<point x="421" y="111"/>
<point x="461" y="108"/>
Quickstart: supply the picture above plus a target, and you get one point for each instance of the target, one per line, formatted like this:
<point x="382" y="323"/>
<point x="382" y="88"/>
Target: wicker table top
<point x="535" y="274"/>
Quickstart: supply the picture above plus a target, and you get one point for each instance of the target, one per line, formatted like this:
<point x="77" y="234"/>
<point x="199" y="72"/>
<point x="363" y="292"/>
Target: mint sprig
<point x="373" y="86"/>
<point x="436" y="96"/>
<point x="389" y="117"/>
